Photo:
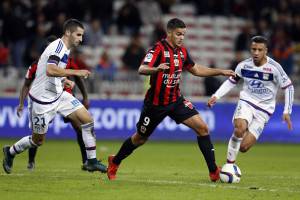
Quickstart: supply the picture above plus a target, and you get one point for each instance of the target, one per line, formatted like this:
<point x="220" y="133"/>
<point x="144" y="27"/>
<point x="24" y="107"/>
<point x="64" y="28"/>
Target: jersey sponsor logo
<point x="256" y="84"/>
<point x="268" y="69"/>
<point x="258" y="87"/>
<point x="171" y="80"/>
<point x="148" y="57"/>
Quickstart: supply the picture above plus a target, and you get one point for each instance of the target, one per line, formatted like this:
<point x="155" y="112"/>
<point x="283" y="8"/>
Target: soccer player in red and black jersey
<point x="165" y="63"/>
<point x="29" y="77"/>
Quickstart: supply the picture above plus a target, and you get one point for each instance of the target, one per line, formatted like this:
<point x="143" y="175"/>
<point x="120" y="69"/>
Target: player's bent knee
<point x="38" y="141"/>
<point x="203" y="130"/>
<point x="239" y="131"/>
<point x="244" y="148"/>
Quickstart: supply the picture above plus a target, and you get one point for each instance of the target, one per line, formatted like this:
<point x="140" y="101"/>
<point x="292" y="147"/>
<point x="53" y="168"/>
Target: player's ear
<point x="68" y="33"/>
<point x="169" y="32"/>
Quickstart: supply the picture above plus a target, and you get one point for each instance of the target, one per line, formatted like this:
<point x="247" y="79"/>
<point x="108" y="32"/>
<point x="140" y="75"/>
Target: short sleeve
<point x="72" y="64"/>
<point x="188" y="62"/>
<point x="30" y="74"/>
<point x="153" y="56"/>
<point x="56" y="52"/>
<point x="238" y="73"/>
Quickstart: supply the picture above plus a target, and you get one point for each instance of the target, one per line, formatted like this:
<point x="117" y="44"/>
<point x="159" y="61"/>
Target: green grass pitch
<point x="158" y="170"/>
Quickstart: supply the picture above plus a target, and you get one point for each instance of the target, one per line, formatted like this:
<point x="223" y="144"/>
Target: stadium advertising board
<point x="115" y="119"/>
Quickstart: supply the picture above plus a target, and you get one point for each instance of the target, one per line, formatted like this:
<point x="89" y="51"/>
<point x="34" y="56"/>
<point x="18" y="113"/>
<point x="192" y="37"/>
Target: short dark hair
<point x="260" y="39"/>
<point x="71" y="25"/>
<point x="175" y="23"/>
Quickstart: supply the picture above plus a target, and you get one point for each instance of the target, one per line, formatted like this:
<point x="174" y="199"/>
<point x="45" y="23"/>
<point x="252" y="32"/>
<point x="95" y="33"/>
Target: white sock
<point x="89" y="139"/>
<point x="20" y="146"/>
<point x="233" y="148"/>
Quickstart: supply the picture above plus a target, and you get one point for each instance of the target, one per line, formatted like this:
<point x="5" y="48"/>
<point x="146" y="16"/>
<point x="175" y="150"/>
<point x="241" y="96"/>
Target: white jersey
<point x="46" y="89"/>
<point x="261" y="83"/>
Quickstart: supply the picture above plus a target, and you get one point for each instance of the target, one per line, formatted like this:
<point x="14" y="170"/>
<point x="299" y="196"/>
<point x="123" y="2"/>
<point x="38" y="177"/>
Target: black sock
<point x="31" y="154"/>
<point x="82" y="147"/>
<point x="125" y="150"/>
<point x="208" y="152"/>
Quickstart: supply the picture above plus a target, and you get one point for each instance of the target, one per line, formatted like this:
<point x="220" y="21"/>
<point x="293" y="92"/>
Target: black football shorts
<point x="152" y="115"/>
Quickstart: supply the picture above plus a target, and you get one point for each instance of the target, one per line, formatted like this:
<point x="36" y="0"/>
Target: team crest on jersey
<point x="148" y="57"/>
<point x="176" y="62"/>
<point x="181" y="54"/>
<point x="266" y="76"/>
<point x="188" y="104"/>
<point x="143" y="129"/>
<point x="166" y="53"/>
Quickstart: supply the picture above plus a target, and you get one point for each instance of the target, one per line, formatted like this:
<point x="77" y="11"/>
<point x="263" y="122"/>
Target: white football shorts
<point x="256" y="119"/>
<point x="42" y="114"/>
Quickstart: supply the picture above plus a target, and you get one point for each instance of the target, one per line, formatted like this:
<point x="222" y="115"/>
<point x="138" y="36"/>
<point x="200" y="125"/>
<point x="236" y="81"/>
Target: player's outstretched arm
<point x="288" y="104"/>
<point x="146" y="70"/>
<point x="212" y="101"/>
<point x="23" y="94"/>
<point x="55" y="71"/>
<point x="202" y="71"/>
<point x="223" y="90"/>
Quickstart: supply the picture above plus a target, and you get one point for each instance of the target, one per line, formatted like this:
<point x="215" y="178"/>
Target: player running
<point x="262" y="77"/>
<point x="165" y="63"/>
<point x="47" y="98"/>
<point x="30" y="75"/>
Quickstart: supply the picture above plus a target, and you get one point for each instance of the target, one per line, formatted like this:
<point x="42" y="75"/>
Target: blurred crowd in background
<point x="118" y="33"/>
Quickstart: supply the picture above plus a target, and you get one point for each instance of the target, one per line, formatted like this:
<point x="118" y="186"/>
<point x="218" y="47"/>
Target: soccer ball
<point x="230" y="173"/>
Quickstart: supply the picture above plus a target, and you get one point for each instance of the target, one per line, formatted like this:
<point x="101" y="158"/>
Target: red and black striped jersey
<point x="164" y="86"/>
<point x="30" y="74"/>
<point x="72" y="64"/>
<point x="31" y="71"/>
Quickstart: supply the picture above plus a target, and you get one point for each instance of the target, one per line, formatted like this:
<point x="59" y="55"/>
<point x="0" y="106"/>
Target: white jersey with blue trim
<point x="45" y="88"/>
<point x="261" y="83"/>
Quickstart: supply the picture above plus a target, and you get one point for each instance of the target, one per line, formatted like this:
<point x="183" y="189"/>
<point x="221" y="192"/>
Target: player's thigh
<point x="40" y="117"/>
<point x="243" y="111"/>
<point x="185" y="112"/>
<point x="258" y="123"/>
<point x="196" y="123"/>
<point x="248" y="141"/>
<point x="240" y="127"/>
<point x="72" y="108"/>
<point x="80" y="116"/>
<point x="39" y="123"/>
<point x="149" y="119"/>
